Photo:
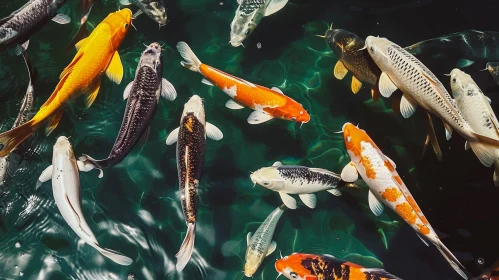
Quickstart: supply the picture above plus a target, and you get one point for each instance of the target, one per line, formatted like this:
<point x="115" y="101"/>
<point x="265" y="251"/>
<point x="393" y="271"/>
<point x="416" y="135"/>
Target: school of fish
<point x="377" y="62"/>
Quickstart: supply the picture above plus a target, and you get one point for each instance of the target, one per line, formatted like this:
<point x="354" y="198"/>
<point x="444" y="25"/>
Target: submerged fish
<point x="248" y="16"/>
<point x="86" y="8"/>
<point x="266" y="103"/>
<point x="191" y="146"/>
<point x="143" y="95"/>
<point x="260" y="244"/>
<point x="294" y="179"/>
<point x="493" y="68"/>
<point x="403" y="71"/>
<point x="348" y="48"/>
<point x="67" y="195"/>
<point x="490" y="274"/>
<point x="475" y="107"/>
<point x="154" y="9"/>
<point x="18" y="27"/>
<point x="25" y="113"/>
<point x="97" y="54"/>
<point x="301" y="266"/>
<point x="386" y="187"/>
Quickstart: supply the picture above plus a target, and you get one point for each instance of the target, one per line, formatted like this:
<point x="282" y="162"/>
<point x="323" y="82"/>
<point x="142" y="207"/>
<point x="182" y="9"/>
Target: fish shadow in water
<point x="274" y="135"/>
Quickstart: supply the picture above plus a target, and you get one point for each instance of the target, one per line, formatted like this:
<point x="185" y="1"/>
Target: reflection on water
<point x="135" y="208"/>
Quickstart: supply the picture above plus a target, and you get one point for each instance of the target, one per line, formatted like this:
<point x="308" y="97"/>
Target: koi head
<point x="118" y="23"/>
<point x="378" y="49"/>
<point x="196" y="107"/>
<point x="268" y="177"/>
<point x="292" y="267"/>
<point x="461" y="84"/>
<point x="152" y="58"/>
<point x="64" y="147"/>
<point x="243" y="24"/>
<point x="294" y="111"/>
<point x="353" y="137"/>
<point x="342" y="41"/>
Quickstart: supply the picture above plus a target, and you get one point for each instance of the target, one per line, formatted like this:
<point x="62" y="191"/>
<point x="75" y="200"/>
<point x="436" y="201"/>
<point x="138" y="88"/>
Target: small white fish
<point x="401" y="70"/>
<point x="294" y="179"/>
<point x="475" y="107"/>
<point x="66" y="188"/>
<point x="248" y="16"/>
<point x="260" y="244"/>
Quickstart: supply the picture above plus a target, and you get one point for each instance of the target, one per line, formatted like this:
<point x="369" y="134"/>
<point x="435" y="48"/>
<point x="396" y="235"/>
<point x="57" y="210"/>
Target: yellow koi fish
<point x="97" y="54"/>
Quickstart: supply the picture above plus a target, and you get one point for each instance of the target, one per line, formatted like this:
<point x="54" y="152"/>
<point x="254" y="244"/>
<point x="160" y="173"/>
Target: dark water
<point x="135" y="208"/>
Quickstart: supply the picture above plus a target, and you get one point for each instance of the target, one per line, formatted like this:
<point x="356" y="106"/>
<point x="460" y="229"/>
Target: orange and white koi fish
<point x="300" y="266"/>
<point x="266" y="103"/>
<point x="97" y="54"/>
<point x="386" y="187"/>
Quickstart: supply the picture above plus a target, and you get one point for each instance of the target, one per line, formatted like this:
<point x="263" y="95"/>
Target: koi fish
<point x="266" y="103"/>
<point x="248" y="15"/>
<point x="18" y="27"/>
<point x="491" y="273"/>
<point x="386" y="187"/>
<point x="25" y="113"/>
<point x="97" y="54"/>
<point x="260" y="244"/>
<point x="475" y="107"/>
<point x="299" y="266"/>
<point x="67" y="195"/>
<point x="294" y="179"/>
<point x="420" y="87"/>
<point x="155" y="9"/>
<point x="191" y="147"/>
<point x="143" y="95"/>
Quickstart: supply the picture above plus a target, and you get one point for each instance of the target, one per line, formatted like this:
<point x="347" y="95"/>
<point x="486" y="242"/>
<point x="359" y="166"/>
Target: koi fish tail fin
<point x="192" y="61"/>
<point x="496" y="172"/>
<point x="451" y="259"/>
<point x="184" y="254"/>
<point x="9" y="140"/>
<point x="80" y="34"/>
<point x="484" y="148"/>
<point x="116" y="257"/>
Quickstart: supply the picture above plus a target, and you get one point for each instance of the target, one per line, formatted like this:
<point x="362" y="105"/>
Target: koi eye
<point x="125" y="25"/>
<point x="293" y="118"/>
<point x="293" y="275"/>
<point x="454" y="80"/>
<point x="349" y="138"/>
<point x="372" y="49"/>
<point x="266" y="183"/>
<point x="247" y="32"/>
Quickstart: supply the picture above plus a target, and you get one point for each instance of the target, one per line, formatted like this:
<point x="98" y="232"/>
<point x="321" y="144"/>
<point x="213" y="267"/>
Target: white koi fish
<point x="420" y="87"/>
<point x="66" y="188"/>
<point x="386" y="187"/>
<point x="475" y="107"/>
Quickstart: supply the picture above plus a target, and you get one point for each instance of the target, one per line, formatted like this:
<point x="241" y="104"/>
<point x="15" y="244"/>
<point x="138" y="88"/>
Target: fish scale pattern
<point x="249" y="6"/>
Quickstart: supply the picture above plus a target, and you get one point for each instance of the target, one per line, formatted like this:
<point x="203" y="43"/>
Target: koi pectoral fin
<point x="272" y="247"/>
<point x="45" y="176"/>
<point x="349" y="173"/>
<point x="376" y="206"/>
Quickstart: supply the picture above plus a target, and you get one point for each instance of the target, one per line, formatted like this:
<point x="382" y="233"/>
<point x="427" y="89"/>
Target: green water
<point x="135" y="208"/>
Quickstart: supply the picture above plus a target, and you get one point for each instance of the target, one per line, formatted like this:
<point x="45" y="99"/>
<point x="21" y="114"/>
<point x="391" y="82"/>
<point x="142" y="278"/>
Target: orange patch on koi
<point x="389" y="166"/>
<point x="414" y="205"/>
<point x="397" y="178"/>
<point x="406" y="212"/>
<point x="424" y="229"/>
<point x="188" y="125"/>
<point x="370" y="173"/>
<point x="424" y="220"/>
<point x="391" y="194"/>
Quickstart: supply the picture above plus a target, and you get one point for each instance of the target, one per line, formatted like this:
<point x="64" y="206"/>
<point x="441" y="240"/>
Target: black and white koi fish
<point x="143" y="95"/>
<point x="294" y="179"/>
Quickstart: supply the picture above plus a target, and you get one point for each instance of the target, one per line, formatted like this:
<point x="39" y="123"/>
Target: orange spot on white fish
<point x="391" y="194"/>
<point x="423" y="229"/>
<point x="398" y="180"/>
<point x="413" y="204"/>
<point x="424" y="220"/>
<point x="370" y="172"/>
<point x="406" y="212"/>
<point x="389" y="166"/>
